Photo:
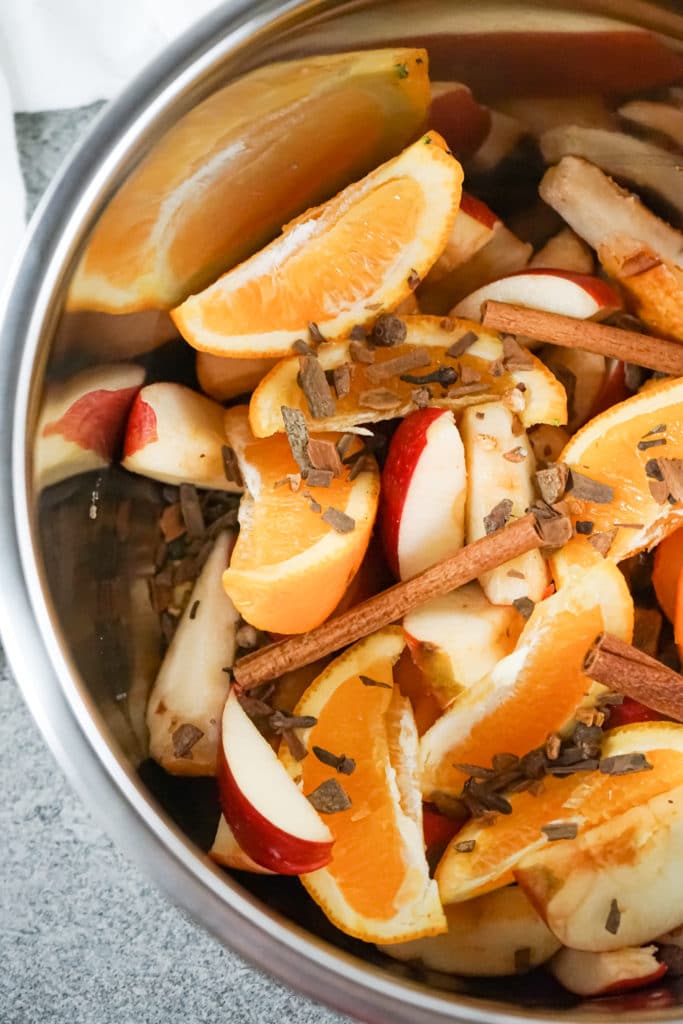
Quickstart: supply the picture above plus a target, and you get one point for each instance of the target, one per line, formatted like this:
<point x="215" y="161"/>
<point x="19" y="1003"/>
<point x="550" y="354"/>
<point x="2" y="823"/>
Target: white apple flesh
<point x="269" y="815"/>
<point x="619" y="884"/>
<point x="554" y="291"/>
<point x="82" y="421"/>
<point x="501" y="466"/>
<point x="602" y="974"/>
<point x="424" y="487"/>
<point x="474" y="228"/>
<point x="484" y="938"/>
<point x="585" y="374"/>
<point x="457" y="639"/>
<point x="227" y="852"/>
<point x="505" y="134"/>
<point x="564" y="251"/>
<point x="192" y="685"/>
<point x="176" y="436"/>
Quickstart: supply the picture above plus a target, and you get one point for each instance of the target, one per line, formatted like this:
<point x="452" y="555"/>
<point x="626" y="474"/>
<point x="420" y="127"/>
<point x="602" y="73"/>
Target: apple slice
<point x="653" y="285"/>
<point x="555" y="291"/>
<point x="493" y="935"/>
<point x="457" y="639"/>
<point x="617" y="884"/>
<point x="541" y="113"/>
<point x="227" y="852"/>
<point x="475" y="225"/>
<point x="82" y="421"/>
<point x="505" y="253"/>
<point x="501" y="467"/>
<point x="186" y="701"/>
<point x="504" y="136"/>
<point x="642" y="164"/>
<point x="661" y="118"/>
<point x="93" y="335"/>
<point x="564" y="251"/>
<point x="607" y="974"/>
<point x="269" y="815"/>
<point x="177" y="436"/>
<point x="583" y="374"/>
<point x="223" y="378"/>
<point x="547" y="442"/>
<point x="455" y="114"/>
<point x="424" y="486"/>
<point x="598" y="209"/>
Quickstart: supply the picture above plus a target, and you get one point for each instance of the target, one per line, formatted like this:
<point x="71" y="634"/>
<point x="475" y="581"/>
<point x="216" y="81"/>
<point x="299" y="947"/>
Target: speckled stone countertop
<point x="84" y="939"/>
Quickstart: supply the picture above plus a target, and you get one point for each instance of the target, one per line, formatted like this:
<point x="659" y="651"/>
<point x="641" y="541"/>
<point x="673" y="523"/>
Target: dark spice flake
<point x="297" y="436"/>
<point x="524" y="605"/>
<point x="499" y="516"/>
<point x="330" y="798"/>
<point x="339" y="521"/>
<point x="411" y="360"/>
<point x="560" y="830"/>
<point x="194" y="609"/>
<point x="324" y="455"/>
<point x="379" y="399"/>
<point x="341" y="380"/>
<point x="584" y="527"/>
<point x="231" y="466"/>
<point x="613" y="918"/>
<point x="586" y="489"/>
<point x="602" y="541"/>
<point x="459" y="347"/>
<point x="655" y="442"/>
<point x="624" y="764"/>
<point x="191" y="510"/>
<point x="466" y="845"/>
<point x="184" y="738"/>
<point x="313" y="383"/>
<point x="368" y="681"/>
<point x="314" y="505"/>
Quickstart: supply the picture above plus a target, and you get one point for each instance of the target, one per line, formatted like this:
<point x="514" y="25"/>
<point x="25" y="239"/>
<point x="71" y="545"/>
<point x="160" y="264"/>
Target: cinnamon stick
<point x="567" y="331"/>
<point x="482" y="555"/>
<point x="628" y="671"/>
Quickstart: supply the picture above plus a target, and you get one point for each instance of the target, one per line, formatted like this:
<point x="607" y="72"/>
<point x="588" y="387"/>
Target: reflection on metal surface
<point x="87" y="645"/>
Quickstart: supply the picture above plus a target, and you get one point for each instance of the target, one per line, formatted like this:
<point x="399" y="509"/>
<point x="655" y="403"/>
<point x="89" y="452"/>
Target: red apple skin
<point x="405" y="449"/>
<point x="630" y="712"/>
<point x="456" y="115"/>
<point x="614" y="390"/>
<point x="603" y="293"/>
<point x="141" y="429"/>
<point x="438" y="829"/>
<point x="96" y="420"/>
<point x="474" y="208"/>
<point x="630" y="983"/>
<point x="265" y="843"/>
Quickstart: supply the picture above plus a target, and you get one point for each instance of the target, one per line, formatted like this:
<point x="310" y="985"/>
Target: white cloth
<point x="65" y="53"/>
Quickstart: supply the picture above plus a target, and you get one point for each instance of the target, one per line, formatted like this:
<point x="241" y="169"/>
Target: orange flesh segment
<point x="548" y="689"/>
<point x="667" y="573"/>
<point x="366" y="859"/>
<point x="612" y="457"/>
<point x="593" y="797"/>
<point x="330" y="266"/>
<point x="298" y="526"/>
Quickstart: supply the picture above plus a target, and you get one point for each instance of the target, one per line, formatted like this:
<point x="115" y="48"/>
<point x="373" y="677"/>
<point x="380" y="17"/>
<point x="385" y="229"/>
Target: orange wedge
<point x="589" y="799"/>
<point x="530" y="693"/>
<point x="542" y="400"/>
<point x="607" y="449"/>
<point x="377" y="886"/>
<point x="337" y="265"/>
<point x="221" y="182"/>
<point x="290" y="566"/>
<point x="667" y="579"/>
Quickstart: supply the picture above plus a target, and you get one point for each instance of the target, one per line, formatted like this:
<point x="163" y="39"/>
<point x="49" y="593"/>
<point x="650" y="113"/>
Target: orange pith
<point x="606" y="449"/>
<point x="336" y="278"/>
<point x="289" y="567"/>
<point x="281" y="137"/>
<point x="387" y="892"/>
<point x="589" y="799"/>
<point x="547" y="686"/>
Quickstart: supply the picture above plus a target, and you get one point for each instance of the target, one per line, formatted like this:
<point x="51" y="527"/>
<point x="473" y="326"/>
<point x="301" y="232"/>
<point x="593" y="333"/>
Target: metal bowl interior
<point x="66" y="573"/>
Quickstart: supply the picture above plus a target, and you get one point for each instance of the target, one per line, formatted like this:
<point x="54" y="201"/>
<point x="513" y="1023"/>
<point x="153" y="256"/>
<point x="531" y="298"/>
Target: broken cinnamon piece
<point x="171" y="522"/>
<point x="421" y="397"/>
<point x="319" y="477"/>
<point x="411" y="360"/>
<point x="379" y="399"/>
<point x="468" y="375"/>
<point x="515" y="357"/>
<point x="315" y="506"/>
<point x="191" y="510"/>
<point x="523" y="605"/>
<point x="498" y="517"/>
<point x="552" y="481"/>
<point x="467" y="564"/>
<point x="313" y="383"/>
<point x="389" y="330"/>
<point x="553" y="523"/>
<point x="602" y="541"/>
<point x="672" y="475"/>
<point x="324" y="455"/>
<point x="460" y="346"/>
<point x="341" y="379"/>
<point x="359" y="352"/>
<point x="339" y="521"/>
<point x="569" y="332"/>
<point x="467" y="389"/>
<point x="584" y="488"/>
<point x="628" y="671"/>
<point x="297" y="436"/>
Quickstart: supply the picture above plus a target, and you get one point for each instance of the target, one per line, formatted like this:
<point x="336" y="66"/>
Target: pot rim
<point x="29" y="625"/>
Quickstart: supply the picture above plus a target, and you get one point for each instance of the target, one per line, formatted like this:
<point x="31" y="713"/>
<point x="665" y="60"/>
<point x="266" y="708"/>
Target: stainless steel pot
<point x="55" y="641"/>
